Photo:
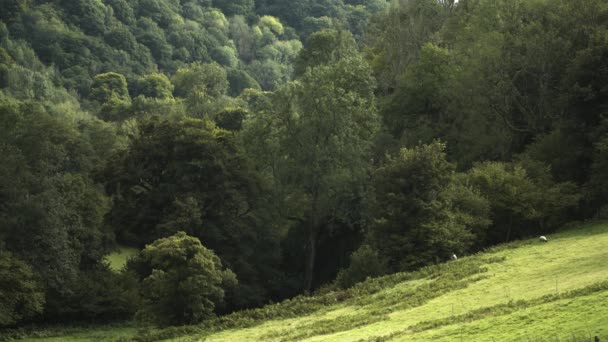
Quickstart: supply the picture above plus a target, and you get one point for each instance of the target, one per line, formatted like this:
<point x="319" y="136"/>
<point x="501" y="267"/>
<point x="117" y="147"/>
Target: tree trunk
<point x="312" y="255"/>
<point x="313" y="232"/>
<point x="509" y="228"/>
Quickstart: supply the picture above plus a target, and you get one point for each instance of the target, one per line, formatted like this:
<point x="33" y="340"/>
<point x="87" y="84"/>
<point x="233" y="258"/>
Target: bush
<point x="364" y="262"/>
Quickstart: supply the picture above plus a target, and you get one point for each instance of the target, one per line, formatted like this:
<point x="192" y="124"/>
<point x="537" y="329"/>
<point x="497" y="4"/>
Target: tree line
<point x="249" y="167"/>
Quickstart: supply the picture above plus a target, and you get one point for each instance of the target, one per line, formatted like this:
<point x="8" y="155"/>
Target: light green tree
<point x="108" y="85"/>
<point x="155" y="86"/>
<point x="208" y="78"/>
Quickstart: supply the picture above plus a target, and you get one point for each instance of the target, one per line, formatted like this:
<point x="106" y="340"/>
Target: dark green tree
<point x="420" y="216"/>
<point x="524" y="199"/>
<point x="325" y="47"/>
<point x="22" y="294"/>
<point x="364" y="262"/>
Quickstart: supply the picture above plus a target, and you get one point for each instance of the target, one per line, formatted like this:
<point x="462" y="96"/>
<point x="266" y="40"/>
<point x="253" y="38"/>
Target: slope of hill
<point x="525" y="290"/>
<point x="521" y="291"/>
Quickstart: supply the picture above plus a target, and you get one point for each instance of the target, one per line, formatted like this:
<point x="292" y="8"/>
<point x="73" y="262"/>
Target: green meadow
<point x="526" y="290"/>
<point x="118" y="259"/>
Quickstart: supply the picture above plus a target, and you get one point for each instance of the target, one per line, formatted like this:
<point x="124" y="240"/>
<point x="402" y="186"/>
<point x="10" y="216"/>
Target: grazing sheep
<point x="454" y="257"/>
<point x="542" y="238"/>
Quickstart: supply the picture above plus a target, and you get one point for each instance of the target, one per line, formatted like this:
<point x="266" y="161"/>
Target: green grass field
<point x="571" y="260"/>
<point x="119" y="258"/>
<point x="523" y="291"/>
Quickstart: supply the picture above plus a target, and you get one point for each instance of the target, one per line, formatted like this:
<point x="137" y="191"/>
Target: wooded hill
<point x="256" y="150"/>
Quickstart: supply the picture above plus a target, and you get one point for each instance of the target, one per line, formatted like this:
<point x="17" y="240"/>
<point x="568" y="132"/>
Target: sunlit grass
<point x="108" y="333"/>
<point x="571" y="260"/>
<point x="118" y="259"/>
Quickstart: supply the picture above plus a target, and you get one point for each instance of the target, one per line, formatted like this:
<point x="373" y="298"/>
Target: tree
<point x="155" y="86"/>
<point x="272" y="23"/>
<point x="108" y="85"/>
<point x="420" y="216"/>
<point x="231" y="119"/>
<point x="22" y="294"/>
<point x="240" y="80"/>
<point x="212" y="79"/>
<point x="399" y="35"/>
<point x="153" y="37"/>
<point x="243" y="37"/>
<point x="364" y="262"/>
<point x="90" y="15"/>
<point x="182" y="282"/>
<point x="10" y="9"/>
<point x="325" y="47"/>
<point x="235" y="7"/>
<point x="415" y="112"/>
<point x="598" y="181"/>
<point x="316" y="142"/>
<point x="524" y="199"/>
<point x="52" y="211"/>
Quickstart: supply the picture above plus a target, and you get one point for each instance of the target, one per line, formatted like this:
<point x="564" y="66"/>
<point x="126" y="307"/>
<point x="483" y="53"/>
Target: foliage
<point x="364" y="262"/>
<point x="22" y="294"/>
<point x="420" y="216"/>
<point x="189" y="175"/>
<point x="210" y="79"/>
<point x="272" y="23"/>
<point x="181" y="280"/>
<point x="517" y="200"/>
<point x="331" y="110"/>
<point x="325" y="47"/>
<point x="107" y="86"/>
<point x="155" y="86"/>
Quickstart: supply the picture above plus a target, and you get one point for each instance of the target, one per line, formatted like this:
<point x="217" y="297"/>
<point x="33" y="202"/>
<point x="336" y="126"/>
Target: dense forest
<point x="257" y="150"/>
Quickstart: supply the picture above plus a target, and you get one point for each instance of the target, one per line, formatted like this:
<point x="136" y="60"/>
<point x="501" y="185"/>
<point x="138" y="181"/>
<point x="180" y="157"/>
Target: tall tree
<point x="319" y="134"/>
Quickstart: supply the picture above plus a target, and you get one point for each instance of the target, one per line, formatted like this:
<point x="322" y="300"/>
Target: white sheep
<point x="542" y="238"/>
<point x="454" y="257"/>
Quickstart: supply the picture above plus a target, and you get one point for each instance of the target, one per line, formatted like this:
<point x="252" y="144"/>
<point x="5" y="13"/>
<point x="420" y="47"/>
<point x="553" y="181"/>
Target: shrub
<point x="364" y="262"/>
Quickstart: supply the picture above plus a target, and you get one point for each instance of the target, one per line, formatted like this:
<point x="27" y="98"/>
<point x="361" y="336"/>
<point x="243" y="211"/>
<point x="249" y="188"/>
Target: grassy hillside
<point x="526" y="290"/>
<point x="522" y="290"/>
